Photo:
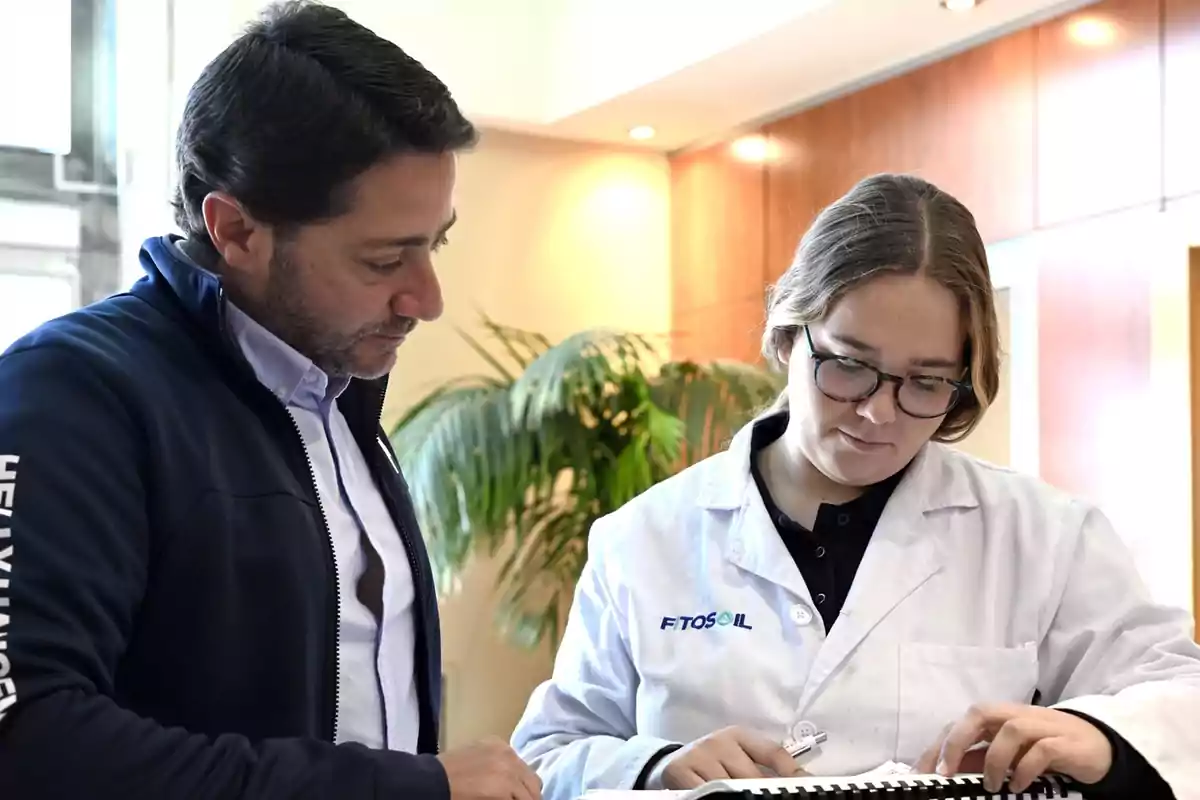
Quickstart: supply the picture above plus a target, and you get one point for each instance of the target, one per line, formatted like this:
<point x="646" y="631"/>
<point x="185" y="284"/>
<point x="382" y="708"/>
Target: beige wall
<point x="553" y="237"/>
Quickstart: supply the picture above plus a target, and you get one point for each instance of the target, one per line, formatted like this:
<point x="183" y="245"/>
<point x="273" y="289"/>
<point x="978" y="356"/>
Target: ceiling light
<point x="641" y="132"/>
<point x="755" y="149"/>
<point x="1092" y="31"/>
<point x="959" y="5"/>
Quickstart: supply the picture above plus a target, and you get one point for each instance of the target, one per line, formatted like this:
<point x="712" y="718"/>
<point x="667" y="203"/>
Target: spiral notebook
<point x="872" y="785"/>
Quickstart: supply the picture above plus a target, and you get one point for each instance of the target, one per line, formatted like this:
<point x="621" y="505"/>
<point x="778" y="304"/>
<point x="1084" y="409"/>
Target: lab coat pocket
<point x="939" y="683"/>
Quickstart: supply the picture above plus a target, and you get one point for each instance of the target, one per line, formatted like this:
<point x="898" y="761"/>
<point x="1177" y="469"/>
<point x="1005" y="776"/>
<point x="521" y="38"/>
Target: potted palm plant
<point x="523" y="460"/>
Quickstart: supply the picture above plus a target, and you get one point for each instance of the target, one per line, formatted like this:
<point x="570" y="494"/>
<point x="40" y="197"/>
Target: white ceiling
<point x="692" y="69"/>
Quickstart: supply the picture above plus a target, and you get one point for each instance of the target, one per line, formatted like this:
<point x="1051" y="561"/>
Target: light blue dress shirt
<point x="377" y="694"/>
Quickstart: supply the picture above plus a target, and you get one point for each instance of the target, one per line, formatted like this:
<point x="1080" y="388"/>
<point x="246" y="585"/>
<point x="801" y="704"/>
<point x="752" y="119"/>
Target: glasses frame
<point x="960" y="387"/>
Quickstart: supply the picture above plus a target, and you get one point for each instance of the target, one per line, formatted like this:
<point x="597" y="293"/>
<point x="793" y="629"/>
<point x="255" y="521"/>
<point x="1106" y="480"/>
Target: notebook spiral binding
<point x="923" y="787"/>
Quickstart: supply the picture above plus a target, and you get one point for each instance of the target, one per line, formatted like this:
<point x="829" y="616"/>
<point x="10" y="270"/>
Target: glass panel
<point x="35" y="75"/>
<point x="28" y="300"/>
<point x="58" y="159"/>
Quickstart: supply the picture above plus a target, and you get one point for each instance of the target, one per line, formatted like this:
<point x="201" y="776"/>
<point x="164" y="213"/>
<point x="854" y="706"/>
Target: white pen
<point x="798" y="747"/>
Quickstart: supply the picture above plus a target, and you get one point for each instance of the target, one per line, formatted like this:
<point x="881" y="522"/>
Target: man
<point x="212" y="584"/>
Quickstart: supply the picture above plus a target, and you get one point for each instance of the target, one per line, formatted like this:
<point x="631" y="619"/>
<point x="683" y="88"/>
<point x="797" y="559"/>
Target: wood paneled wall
<point x="719" y="234"/>
<point x="1094" y="353"/>
<point x="1181" y="111"/>
<point x="1034" y="132"/>
<point x="1099" y="114"/>
<point x="966" y="124"/>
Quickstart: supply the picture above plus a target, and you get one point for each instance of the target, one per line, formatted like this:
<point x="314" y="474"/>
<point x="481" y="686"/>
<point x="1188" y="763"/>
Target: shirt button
<point x="843" y="518"/>
<point x="804" y="729"/>
<point x="800" y="614"/>
<point x="820" y="598"/>
<point x="820" y="553"/>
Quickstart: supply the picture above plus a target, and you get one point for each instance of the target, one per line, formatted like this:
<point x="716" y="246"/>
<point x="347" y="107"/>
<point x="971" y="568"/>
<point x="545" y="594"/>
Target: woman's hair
<point x="893" y="224"/>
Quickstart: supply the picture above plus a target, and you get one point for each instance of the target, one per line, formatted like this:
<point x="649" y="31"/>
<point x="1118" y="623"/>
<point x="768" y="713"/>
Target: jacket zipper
<point x="332" y="563"/>
<point x="337" y="589"/>
<point x="414" y="567"/>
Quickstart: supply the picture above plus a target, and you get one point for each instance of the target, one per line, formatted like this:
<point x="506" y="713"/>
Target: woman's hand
<point x="1028" y="740"/>
<point x="729" y="753"/>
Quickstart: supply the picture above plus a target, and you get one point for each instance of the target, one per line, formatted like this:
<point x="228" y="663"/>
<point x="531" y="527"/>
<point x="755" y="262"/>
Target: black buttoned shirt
<point x="827" y="556"/>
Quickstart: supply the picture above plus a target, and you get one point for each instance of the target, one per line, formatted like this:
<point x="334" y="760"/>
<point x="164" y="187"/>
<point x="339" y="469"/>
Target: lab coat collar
<point x="933" y="481"/>
<point x="902" y="555"/>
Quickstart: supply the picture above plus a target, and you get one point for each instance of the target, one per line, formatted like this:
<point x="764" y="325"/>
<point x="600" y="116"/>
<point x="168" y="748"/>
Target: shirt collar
<point x="938" y="477"/>
<point x="291" y="376"/>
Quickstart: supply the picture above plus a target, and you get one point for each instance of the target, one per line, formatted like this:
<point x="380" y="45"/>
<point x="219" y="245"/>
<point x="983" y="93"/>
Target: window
<point x="35" y="76"/>
<point x="59" y="227"/>
<point x="27" y="299"/>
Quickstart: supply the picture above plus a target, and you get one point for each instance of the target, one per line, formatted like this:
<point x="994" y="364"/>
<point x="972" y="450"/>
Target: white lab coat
<point x="979" y="585"/>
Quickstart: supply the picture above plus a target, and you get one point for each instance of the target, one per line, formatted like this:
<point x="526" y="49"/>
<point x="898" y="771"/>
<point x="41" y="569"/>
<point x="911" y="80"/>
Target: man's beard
<point x="284" y="312"/>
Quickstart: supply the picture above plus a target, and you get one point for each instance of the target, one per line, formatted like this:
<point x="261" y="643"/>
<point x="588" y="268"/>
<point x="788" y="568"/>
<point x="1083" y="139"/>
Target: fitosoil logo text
<point x="705" y="621"/>
<point x="8" y="489"/>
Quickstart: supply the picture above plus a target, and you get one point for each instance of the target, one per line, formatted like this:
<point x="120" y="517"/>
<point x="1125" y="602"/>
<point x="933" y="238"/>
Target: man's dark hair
<point x="303" y="102"/>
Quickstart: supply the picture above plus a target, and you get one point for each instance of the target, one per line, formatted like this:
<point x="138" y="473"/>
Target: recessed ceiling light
<point x="641" y="132"/>
<point x="959" y="5"/>
<point x="755" y="149"/>
<point x="1092" y="31"/>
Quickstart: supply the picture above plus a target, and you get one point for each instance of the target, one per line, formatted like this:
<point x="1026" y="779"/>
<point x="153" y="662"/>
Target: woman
<point x="840" y="569"/>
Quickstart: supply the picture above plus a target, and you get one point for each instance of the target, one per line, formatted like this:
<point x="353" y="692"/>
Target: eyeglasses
<point x="849" y="380"/>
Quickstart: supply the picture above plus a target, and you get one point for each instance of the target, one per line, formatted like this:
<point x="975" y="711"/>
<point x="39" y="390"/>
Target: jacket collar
<point x="931" y="483"/>
<point x="197" y="287"/>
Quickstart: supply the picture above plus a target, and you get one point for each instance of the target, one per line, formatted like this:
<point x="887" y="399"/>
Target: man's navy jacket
<point x="168" y="598"/>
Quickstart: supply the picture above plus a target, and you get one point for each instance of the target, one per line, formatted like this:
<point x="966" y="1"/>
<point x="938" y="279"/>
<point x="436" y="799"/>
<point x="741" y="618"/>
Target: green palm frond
<point x="522" y="461"/>
<point x="578" y="371"/>
<point x="714" y="400"/>
<point x="521" y="346"/>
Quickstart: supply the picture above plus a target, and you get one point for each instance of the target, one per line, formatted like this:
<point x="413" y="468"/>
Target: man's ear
<point x="244" y="243"/>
